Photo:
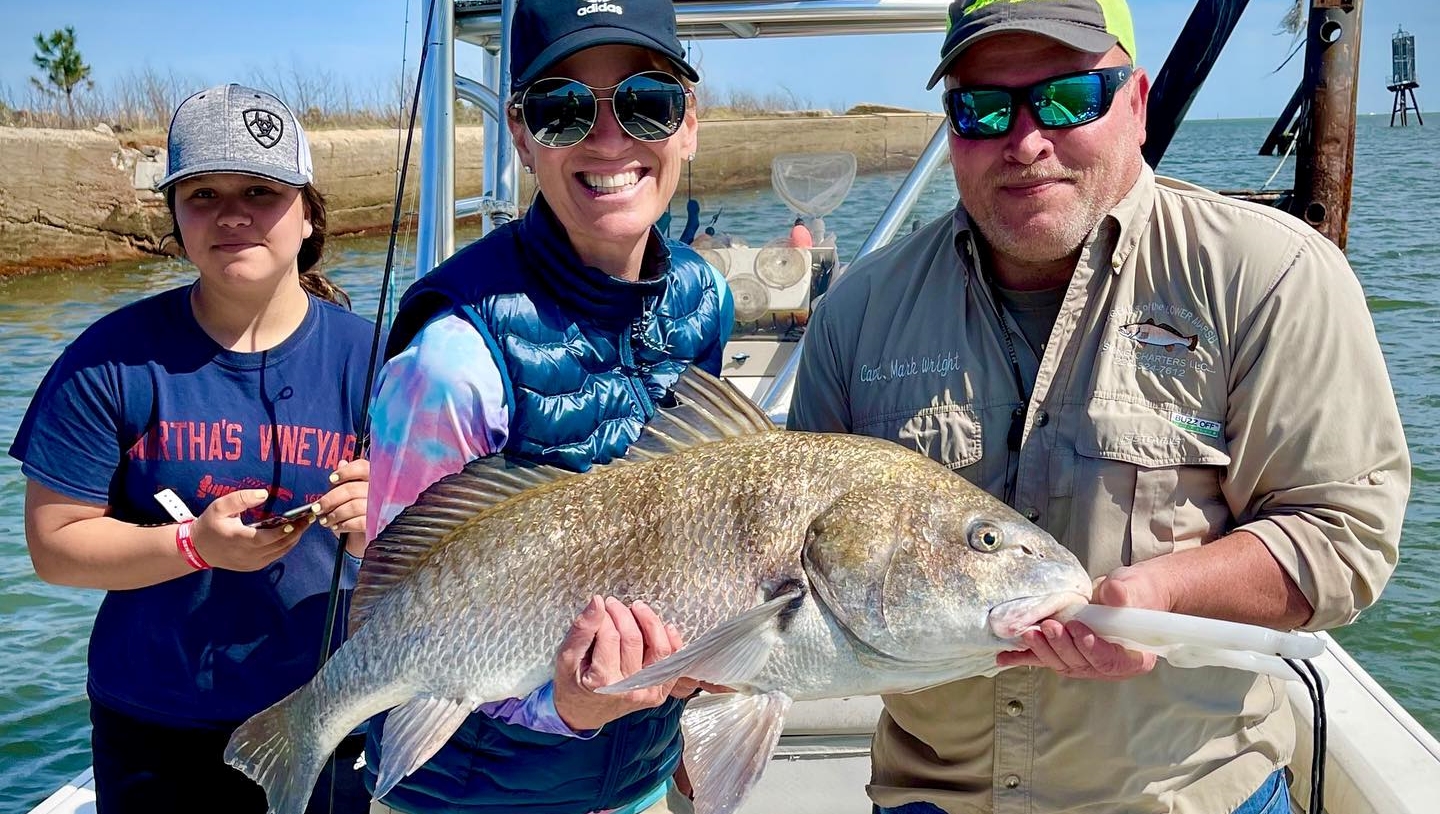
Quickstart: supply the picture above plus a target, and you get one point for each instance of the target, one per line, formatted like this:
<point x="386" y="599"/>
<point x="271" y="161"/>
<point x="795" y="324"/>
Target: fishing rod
<point x="362" y="436"/>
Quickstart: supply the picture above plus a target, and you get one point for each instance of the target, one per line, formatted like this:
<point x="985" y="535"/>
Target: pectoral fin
<point x="414" y="731"/>
<point x="729" y="739"/>
<point x="730" y="654"/>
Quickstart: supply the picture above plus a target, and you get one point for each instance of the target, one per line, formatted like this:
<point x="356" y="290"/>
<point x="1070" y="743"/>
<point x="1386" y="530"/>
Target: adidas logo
<point x="595" y="8"/>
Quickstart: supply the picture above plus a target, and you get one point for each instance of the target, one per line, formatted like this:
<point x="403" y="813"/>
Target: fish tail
<point x="272" y="748"/>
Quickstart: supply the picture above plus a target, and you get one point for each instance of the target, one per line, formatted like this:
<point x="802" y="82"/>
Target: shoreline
<point x="73" y="199"/>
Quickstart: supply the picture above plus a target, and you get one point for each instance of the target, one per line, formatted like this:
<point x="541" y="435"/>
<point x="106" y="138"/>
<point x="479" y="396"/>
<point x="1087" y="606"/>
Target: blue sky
<point x="210" y="42"/>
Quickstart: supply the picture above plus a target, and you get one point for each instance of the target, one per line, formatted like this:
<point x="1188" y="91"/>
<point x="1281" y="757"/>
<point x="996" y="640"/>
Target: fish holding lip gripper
<point x="797" y="565"/>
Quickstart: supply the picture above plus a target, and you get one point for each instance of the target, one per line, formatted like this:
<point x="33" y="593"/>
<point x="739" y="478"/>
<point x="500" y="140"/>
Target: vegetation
<point x="142" y="100"/>
<point x="64" y="68"/>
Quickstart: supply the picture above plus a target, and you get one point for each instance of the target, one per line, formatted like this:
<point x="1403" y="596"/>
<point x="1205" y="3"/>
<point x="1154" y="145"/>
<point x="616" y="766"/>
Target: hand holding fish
<point x="609" y="642"/>
<point x="224" y="541"/>
<point x="342" y="509"/>
<point x="1073" y="650"/>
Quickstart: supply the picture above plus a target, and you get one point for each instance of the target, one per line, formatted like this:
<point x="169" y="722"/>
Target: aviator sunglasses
<point x="560" y="112"/>
<point x="989" y="111"/>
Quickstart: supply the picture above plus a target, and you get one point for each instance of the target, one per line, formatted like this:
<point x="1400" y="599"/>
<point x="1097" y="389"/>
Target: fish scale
<point x="796" y="565"/>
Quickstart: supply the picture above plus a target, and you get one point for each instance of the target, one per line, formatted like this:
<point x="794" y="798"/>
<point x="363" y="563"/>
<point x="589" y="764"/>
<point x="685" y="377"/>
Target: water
<point x="1393" y="238"/>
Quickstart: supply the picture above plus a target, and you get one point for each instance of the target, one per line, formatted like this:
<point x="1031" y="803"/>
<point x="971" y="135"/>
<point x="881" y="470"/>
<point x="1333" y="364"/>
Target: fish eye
<point x="986" y="538"/>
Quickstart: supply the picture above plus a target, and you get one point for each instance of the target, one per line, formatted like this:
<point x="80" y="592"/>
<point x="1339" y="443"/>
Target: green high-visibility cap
<point x="1094" y="26"/>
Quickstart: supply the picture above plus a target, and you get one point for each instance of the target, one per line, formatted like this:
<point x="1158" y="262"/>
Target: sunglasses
<point x="560" y="112"/>
<point x="989" y="111"/>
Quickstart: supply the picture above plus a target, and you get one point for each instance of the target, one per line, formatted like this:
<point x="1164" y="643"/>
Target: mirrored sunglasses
<point x="560" y="112"/>
<point x="987" y="111"/>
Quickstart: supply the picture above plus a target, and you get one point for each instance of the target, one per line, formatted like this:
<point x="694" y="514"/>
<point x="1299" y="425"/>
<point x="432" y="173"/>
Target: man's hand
<point x="1074" y="651"/>
<point x="609" y="642"/>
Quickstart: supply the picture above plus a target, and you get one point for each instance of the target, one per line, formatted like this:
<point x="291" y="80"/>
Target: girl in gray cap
<point x="236" y="397"/>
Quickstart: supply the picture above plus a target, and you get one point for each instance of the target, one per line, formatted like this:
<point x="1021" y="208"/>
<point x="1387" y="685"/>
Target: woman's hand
<point x="609" y="642"/>
<point x="224" y="541"/>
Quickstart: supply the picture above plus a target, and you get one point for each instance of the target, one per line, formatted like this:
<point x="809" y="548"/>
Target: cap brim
<point x="1078" y="37"/>
<point x="289" y="179"/>
<point x="577" y="41"/>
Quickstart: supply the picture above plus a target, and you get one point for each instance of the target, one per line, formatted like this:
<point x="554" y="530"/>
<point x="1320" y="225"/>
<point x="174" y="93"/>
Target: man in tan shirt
<point x="1185" y="390"/>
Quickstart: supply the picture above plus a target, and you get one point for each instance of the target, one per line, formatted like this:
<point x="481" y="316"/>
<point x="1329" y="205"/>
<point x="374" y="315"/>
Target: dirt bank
<point x="74" y="198"/>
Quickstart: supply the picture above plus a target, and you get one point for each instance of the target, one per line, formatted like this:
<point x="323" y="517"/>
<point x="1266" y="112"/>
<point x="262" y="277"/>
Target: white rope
<point x="1283" y="158"/>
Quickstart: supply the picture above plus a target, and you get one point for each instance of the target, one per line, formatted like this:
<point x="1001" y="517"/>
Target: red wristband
<point x="187" y="547"/>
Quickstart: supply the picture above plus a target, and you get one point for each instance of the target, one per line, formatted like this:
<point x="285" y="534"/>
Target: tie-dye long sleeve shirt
<point x="440" y="404"/>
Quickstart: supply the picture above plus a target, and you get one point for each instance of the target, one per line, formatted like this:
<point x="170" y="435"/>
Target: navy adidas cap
<point x="545" y="32"/>
<point x="232" y="128"/>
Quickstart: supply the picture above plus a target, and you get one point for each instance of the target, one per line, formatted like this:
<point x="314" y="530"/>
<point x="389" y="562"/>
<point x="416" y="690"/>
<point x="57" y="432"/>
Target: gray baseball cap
<point x="1094" y="26"/>
<point x="232" y="128"/>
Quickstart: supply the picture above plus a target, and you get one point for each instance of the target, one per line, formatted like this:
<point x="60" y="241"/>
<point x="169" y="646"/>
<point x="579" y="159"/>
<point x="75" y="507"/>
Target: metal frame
<point x="486" y="24"/>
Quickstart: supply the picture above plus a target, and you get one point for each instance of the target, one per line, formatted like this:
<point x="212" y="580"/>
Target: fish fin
<point x="731" y="653"/>
<point x="449" y="503"/>
<point x="729" y="739"/>
<point x="277" y="749"/>
<point x="706" y="409"/>
<point x="414" y="731"/>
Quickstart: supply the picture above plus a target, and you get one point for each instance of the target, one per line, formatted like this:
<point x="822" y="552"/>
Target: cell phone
<point x="278" y="520"/>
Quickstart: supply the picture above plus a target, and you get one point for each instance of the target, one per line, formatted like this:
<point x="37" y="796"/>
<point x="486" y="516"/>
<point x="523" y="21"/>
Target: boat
<point x="1377" y="759"/>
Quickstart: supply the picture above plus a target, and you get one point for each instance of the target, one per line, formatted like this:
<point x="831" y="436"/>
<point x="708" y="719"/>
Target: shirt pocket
<point x="948" y="433"/>
<point x="1142" y="479"/>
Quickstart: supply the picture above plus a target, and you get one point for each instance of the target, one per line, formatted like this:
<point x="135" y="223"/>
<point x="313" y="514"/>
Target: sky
<point x="362" y="43"/>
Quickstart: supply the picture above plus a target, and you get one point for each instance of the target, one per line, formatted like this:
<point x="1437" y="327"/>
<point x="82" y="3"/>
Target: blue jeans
<point x="1273" y="797"/>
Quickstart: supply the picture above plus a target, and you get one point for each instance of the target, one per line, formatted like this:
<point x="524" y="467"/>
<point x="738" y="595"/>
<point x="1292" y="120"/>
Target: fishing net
<point x="813" y="184"/>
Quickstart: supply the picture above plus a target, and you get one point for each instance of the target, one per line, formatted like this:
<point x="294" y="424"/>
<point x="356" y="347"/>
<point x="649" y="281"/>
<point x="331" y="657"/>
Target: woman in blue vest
<point x="553" y="339"/>
<point x="240" y="395"/>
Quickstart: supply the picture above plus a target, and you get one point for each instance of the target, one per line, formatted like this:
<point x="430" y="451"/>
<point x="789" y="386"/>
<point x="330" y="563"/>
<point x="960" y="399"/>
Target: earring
<point x="691" y="157"/>
<point x="527" y="169"/>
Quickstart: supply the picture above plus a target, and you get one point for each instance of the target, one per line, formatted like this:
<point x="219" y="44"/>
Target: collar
<point x="1125" y="221"/>
<point x="583" y="290"/>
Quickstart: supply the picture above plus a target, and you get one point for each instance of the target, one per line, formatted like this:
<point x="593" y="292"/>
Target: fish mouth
<point x="1009" y="619"/>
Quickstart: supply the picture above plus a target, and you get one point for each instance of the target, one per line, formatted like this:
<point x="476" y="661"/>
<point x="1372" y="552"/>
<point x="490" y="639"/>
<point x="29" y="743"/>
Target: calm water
<point x="1393" y="240"/>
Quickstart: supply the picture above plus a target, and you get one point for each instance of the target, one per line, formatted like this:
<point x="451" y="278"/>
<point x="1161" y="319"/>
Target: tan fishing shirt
<point x="1213" y="367"/>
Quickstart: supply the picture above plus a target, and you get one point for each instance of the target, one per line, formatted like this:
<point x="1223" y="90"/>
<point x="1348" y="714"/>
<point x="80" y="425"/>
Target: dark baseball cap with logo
<point x="232" y="128"/>
<point x="545" y="32"/>
<point x="1093" y="26"/>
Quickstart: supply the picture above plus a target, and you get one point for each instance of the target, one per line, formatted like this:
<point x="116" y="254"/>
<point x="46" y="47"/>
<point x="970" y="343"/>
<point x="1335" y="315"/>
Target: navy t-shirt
<point x="144" y="400"/>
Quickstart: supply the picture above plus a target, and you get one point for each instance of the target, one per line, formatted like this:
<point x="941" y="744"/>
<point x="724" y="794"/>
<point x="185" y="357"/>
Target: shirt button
<point x="1115" y="262"/>
<point x="1012" y="781"/>
<point x="1042" y="418"/>
<point x="1032" y="514"/>
<point x="1014" y="708"/>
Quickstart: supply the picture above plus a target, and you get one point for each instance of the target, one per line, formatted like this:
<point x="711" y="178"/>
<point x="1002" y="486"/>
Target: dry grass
<point x="138" y="104"/>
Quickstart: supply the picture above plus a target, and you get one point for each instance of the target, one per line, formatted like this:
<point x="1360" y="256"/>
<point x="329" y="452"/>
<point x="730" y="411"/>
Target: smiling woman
<point x="206" y="619"/>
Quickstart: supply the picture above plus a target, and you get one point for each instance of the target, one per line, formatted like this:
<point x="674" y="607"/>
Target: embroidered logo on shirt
<point x="1196" y="424"/>
<point x="1160" y="335"/>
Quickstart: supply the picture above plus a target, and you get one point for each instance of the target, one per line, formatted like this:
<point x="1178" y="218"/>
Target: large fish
<point x="797" y="565"/>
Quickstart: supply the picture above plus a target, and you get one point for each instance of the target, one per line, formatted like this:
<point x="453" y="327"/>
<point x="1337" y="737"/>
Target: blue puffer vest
<point x="585" y="358"/>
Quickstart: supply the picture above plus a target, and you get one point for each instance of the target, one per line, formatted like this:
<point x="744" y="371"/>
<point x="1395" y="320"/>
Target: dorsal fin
<point x="448" y="504"/>
<point x="706" y="409"/>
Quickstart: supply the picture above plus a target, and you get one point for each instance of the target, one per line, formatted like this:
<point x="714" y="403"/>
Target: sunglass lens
<point x="558" y="112"/>
<point x="650" y="106"/>
<point x="979" y="113"/>
<point x="1070" y="101"/>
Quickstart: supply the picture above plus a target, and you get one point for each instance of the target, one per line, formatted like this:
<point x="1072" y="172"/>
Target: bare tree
<point x="64" y="68"/>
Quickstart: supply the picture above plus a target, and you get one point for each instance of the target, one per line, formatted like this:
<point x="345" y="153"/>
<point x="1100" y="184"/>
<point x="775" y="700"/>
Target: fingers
<point x="632" y="641"/>
<point x="1074" y="651"/>
<point x="237" y="502"/>
<point x="343" y="508"/>
<point x="575" y="648"/>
